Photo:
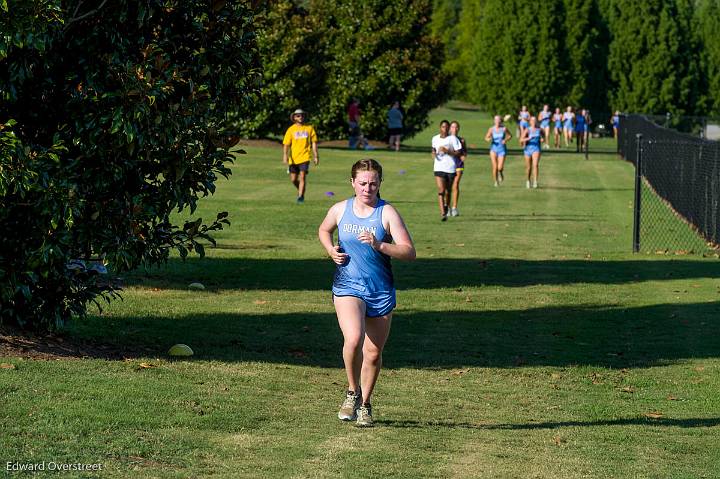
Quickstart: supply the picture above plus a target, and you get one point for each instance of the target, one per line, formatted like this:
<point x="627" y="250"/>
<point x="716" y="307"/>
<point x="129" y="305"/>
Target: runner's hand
<point x="337" y="256"/>
<point x="368" y="238"/>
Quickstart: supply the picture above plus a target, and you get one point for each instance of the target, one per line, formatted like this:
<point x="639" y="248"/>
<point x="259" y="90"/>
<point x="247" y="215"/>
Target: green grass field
<point x="528" y="341"/>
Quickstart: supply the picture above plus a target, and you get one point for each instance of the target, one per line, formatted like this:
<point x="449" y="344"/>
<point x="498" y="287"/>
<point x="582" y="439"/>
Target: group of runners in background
<point x="534" y="134"/>
<point x="449" y="149"/>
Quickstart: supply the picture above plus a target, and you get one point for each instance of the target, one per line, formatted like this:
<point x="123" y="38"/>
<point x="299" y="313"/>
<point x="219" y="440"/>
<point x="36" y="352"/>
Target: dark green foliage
<point x="652" y="63"/>
<point x="647" y="56"/>
<point x="584" y="60"/>
<point x="319" y="54"/>
<point x="707" y="26"/>
<point x="118" y="119"/>
<point x="460" y="59"/>
<point x="444" y="25"/>
<point x="515" y="54"/>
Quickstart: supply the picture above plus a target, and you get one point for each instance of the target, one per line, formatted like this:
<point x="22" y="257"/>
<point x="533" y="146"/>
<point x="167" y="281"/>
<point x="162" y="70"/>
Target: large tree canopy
<point x="319" y="54"/>
<point x="113" y="116"/>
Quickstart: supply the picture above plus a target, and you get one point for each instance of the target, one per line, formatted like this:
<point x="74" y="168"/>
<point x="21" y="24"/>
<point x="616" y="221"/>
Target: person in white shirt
<point x="445" y="148"/>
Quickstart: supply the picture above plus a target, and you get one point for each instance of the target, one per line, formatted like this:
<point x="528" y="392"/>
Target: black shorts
<point x="395" y="131"/>
<point x="450" y="177"/>
<point x="298" y="168"/>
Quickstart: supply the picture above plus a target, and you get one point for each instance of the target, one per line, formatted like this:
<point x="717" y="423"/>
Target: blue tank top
<point x="544" y="115"/>
<point x="366" y="270"/>
<point x="533" y="137"/>
<point x="579" y="122"/>
<point x="498" y="135"/>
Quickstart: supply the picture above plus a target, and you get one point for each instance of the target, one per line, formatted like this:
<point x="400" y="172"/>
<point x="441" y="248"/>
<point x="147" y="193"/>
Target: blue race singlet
<point x="497" y="146"/>
<point x="544" y="118"/>
<point x="533" y="143"/>
<point x="367" y="271"/>
<point x="580" y="124"/>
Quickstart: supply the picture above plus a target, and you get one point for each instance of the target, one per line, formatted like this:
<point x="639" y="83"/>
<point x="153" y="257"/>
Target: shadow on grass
<point x="636" y="421"/>
<point x="316" y="274"/>
<point x="551" y="336"/>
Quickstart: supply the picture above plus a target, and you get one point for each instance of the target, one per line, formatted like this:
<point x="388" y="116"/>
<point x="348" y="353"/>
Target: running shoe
<point x="454" y="212"/>
<point x="501" y="176"/>
<point x="496" y="184"/>
<point x="527" y="184"/>
<point x="349" y="407"/>
<point x="535" y="184"/>
<point x="300" y="200"/>
<point x="443" y="218"/>
<point x="364" y="416"/>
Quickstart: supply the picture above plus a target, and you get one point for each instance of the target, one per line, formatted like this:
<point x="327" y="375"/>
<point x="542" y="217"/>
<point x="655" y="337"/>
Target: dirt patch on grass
<point x="50" y="346"/>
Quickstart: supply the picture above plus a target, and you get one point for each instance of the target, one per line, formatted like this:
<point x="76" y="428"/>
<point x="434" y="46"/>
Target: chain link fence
<point x="677" y="195"/>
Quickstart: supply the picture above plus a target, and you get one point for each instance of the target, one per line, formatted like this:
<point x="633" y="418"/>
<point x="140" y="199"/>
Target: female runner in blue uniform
<point x="523" y="118"/>
<point x="615" y="120"/>
<point x="498" y="135"/>
<point x="581" y="130"/>
<point x="568" y="124"/>
<point x="370" y="232"/>
<point x="532" y="140"/>
<point x="544" y="118"/>
<point x="460" y="158"/>
<point x="557" y="118"/>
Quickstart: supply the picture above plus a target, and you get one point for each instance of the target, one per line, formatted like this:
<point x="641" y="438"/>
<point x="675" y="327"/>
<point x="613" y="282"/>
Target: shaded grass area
<point x="218" y="274"/>
<point x="593" y="335"/>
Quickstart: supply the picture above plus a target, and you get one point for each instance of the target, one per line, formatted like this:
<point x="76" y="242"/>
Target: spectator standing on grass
<point x="395" y="126"/>
<point x="300" y="139"/>
<point x="356" y="136"/>
<point x="370" y="233"/>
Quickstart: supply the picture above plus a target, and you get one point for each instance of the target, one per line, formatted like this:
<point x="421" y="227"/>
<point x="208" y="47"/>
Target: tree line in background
<point x="646" y="56"/>
<point x="319" y="54"/>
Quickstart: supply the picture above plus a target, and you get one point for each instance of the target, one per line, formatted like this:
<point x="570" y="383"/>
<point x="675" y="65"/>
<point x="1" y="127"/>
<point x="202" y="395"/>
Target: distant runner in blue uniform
<point x="498" y="136"/>
<point x="523" y="118"/>
<point x="615" y="120"/>
<point x="582" y="129"/>
<point x="532" y="140"/>
<point x="568" y="125"/>
<point x="459" y="167"/>
<point x="370" y="232"/>
<point x="544" y="117"/>
<point x="557" y="119"/>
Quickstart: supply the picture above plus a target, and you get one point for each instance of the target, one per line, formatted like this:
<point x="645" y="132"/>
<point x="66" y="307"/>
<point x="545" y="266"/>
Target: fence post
<point x="638" y="191"/>
<point x="587" y="142"/>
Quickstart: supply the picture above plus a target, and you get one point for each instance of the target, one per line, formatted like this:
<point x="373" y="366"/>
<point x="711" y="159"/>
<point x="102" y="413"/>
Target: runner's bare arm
<point x="326" y="230"/>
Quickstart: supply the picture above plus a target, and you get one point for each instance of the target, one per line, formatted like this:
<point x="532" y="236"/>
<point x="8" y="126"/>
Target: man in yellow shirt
<point x="299" y="138"/>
